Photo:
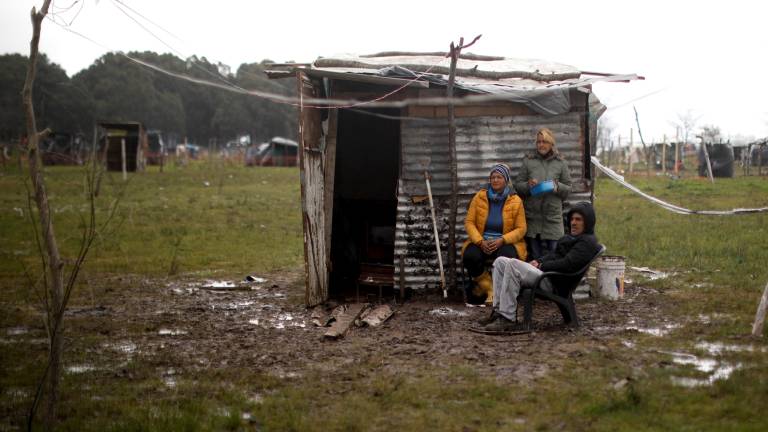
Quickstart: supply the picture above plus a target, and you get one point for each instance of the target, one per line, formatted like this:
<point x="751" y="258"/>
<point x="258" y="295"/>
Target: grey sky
<point x="703" y="56"/>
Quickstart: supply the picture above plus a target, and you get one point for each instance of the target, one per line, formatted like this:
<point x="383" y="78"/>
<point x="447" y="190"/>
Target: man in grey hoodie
<point x="572" y="253"/>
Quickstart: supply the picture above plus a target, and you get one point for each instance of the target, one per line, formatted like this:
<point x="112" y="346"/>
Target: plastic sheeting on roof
<point x="546" y="101"/>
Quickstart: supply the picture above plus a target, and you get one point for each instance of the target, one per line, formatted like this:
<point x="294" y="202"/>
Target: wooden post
<point x="706" y="158"/>
<point x="677" y="151"/>
<point x="631" y="150"/>
<point x="664" y="155"/>
<point x="454" y="202"/>
<point x="757" y="327"/>
<point x="122" y="156"/>
<point x="621" y="159"/>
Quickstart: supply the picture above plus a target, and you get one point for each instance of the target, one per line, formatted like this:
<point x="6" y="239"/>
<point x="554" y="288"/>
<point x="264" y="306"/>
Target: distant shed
<point x="363" y="169"/>
<point x="111" y="139"/>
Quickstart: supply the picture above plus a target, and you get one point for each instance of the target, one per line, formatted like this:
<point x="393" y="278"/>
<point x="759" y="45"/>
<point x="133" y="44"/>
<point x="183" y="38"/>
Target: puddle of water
<point x="708" y="319"/>
<point x="717" y="348"/>
<point x="125" y="347"/>
<point x="714" y="369"/>
<point x="182" y="291"/>
<point x="289" y="375"/>
<point x="232" y="305"/>
<point x="171" y="332"/>
<point x="17" y="331"/>
<point x="651" y="274"/>
<point x="78" y="369"/>
<point x="219" y="284"/>
<point x="169" y="378"/>
<point x="446" y="311"/>
<point x="276" y="295"/>
<point x="17" y="393"/>
<point x="655" y="331"/>
<point x="722" y="372"/>
<point x="280" y="322"/>
<point x="170" y="382"/>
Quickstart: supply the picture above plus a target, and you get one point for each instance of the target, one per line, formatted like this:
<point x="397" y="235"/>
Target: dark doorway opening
<point x="365" y="200"/>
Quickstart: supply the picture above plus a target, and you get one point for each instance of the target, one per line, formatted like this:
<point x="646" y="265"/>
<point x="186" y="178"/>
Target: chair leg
<point x="574" y="317"/>
<point x="568" y="311"/>
<point x="529" y="297"/>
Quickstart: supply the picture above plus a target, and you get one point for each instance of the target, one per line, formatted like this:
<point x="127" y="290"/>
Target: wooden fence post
<point x="757" y="327"/>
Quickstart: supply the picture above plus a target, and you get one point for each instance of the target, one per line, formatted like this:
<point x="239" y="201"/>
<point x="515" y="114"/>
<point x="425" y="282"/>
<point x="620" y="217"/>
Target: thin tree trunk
<point x="642" y="141"/>
<point x="53" y="260"/>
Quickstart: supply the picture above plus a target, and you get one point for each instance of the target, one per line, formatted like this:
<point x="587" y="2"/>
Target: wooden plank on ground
<point x="344" y="321"/>
<point x="377" y="315"/>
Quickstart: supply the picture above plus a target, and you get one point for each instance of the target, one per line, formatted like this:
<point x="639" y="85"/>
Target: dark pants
<point x="540" y="247"/>
<point x="474" y="258"/>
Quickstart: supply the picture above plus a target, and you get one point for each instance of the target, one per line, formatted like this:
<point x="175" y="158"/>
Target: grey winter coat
<point x="544" y="213"/>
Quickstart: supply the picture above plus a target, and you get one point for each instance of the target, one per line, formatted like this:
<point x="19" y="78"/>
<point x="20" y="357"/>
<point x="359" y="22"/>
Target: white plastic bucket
<point x="610" y="277"/>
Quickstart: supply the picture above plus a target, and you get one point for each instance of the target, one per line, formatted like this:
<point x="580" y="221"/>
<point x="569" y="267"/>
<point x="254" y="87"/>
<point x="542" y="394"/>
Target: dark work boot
<point x="503" y="325"/>
<point x="489" y="319"/>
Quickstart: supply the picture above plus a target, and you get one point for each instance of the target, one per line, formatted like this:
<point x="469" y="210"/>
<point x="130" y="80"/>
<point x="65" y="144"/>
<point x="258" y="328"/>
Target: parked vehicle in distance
<point x="157" y="150"/>
<point x="278" y="151"/>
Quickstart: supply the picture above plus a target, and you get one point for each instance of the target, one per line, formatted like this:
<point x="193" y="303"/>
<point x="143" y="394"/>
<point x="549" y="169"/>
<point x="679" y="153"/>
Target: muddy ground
<point x="175" y="328"/>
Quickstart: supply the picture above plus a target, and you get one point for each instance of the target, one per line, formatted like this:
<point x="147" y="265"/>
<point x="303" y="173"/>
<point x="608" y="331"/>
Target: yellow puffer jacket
<point x="513" y="214"/>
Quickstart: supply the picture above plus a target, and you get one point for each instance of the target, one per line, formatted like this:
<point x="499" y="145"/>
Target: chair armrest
<point x="546" y="275"/>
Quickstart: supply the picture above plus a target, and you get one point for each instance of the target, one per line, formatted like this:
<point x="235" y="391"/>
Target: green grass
<point x="720" y="266"/>
<point x="726" y="253"/>
<point x="222" y="217"/>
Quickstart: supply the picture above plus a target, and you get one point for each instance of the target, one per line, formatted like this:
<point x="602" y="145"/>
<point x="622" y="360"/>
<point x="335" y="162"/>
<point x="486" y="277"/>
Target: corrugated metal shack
<point x="363" y="169"/>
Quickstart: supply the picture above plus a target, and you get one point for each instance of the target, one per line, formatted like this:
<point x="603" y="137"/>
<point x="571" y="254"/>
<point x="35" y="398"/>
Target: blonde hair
<point x="546" y="135"/>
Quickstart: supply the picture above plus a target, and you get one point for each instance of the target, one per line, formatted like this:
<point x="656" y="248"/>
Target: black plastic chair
<point x="561" y="295"/>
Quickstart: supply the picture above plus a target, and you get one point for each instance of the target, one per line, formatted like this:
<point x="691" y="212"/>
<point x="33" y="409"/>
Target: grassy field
<point x="223" y="221"/>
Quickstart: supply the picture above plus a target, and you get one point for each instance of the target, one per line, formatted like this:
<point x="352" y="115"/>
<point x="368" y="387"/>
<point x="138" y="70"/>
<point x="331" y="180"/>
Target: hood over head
<point x="586" y="210"/>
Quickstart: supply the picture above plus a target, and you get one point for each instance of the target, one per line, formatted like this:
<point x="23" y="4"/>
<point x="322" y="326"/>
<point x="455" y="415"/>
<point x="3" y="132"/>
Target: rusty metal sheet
<point x="480" y="142"/>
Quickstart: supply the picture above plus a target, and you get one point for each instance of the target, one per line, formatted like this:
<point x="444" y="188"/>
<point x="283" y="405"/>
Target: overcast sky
<point x="707" y="57"/>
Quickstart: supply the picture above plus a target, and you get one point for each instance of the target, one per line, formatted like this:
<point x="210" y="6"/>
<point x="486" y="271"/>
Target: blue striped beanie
<point x="501" y="169"/>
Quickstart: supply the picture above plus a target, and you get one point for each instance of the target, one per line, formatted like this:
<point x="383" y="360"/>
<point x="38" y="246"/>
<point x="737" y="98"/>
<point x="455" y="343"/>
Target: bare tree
<point x="56" y="280"/>
<point x="646" y="150"/>
<point x="710" y="134"/>
<point x="686" y="122"/>
<point x="603" y="137"/>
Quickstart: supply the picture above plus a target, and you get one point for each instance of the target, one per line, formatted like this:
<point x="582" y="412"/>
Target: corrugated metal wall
<point x="480" y="143"/>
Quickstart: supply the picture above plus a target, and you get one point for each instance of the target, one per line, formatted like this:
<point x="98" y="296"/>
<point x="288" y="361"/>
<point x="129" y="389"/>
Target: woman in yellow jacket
<point x="495" y="225"/>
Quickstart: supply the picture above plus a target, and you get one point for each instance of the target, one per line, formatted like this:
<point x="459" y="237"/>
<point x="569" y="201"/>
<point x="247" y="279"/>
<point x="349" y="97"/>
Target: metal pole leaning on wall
<point x="437" y="238"/>
<point x="709" y="164"/>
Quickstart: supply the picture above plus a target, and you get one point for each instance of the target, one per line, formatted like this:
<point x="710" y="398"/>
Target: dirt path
<point x="177" y="328"/>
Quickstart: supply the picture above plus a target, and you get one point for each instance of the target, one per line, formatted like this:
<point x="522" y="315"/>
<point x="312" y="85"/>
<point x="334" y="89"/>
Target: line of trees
<point x="114" y="88"/>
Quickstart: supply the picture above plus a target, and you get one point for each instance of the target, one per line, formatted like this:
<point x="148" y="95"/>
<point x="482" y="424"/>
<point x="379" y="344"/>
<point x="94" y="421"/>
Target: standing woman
<point x="495" y="226"/>
<point x="546" y="169"/>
